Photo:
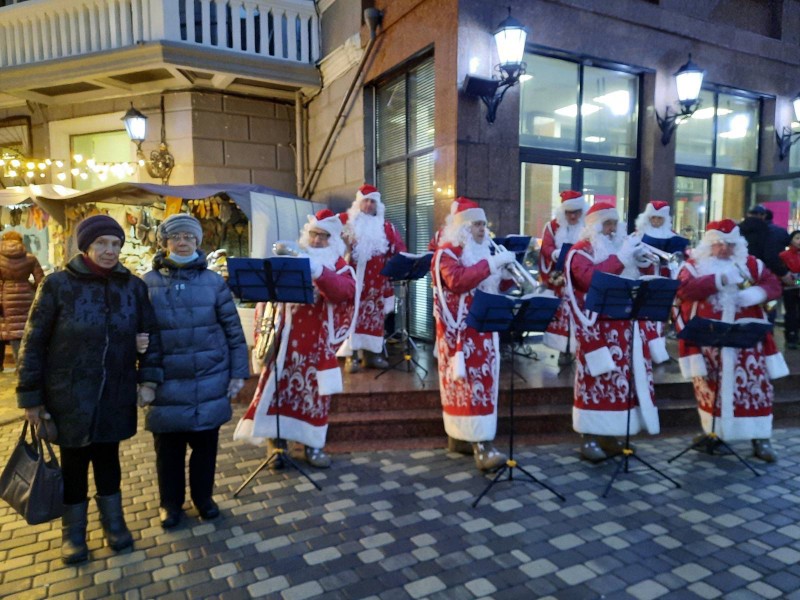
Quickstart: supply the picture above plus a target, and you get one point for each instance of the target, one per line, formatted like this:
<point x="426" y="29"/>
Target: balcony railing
<point x="41" y="30"/>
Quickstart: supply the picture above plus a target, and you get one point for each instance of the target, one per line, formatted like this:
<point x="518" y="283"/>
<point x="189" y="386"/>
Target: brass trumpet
<point x="521" y="276"/>
<point x="675" y="258"/>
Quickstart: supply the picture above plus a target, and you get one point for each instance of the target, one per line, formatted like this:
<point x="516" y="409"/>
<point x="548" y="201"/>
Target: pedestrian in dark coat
<point x="17" y="266"/>
<point x="80" y="362"/>
<point x="205" y="365"/>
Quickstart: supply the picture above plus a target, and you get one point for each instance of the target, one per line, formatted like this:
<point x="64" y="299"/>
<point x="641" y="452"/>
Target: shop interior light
<point x="787" y="137"/>
<point x="688" y="81"/>
<point x="161" y="161"/>
<point x="509" y="37"/>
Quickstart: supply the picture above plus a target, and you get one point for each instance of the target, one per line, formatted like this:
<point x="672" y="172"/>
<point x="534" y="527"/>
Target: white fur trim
<point x="329" y="381"/>
<point x="458" y="366"/>
<point x="470" y="215"/>
<point x="481" y="428"/>
<point x="740" y="428"/>
<point x="362" y="341"/>
<point x="658" y="350"/>
<point x="599" y="362"/>
<point x="601" y="216"/>
<point x="244" y="433"/>
<point x="647" y="410"/>
<point x="573" y="204"/>
<point x="776" y="366"/>
<point x="605" y="422"/>
<point x="388" y="305"/>
<point x="693" y="365"/>
<point x="295" y="430"/>
<point x="555" y="341"/>
<point x="715" y="235"/>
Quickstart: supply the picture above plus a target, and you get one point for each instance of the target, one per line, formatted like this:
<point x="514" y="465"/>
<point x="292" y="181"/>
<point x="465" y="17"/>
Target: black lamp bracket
<point x="491" y="91"/>
<point x="670" y="121"/>
<point x="785" y="140"/>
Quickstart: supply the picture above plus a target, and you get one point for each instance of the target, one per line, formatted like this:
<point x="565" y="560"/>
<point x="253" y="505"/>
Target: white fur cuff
<point x="751" y="296"/>
<point x="776" y="366"/>
<point x="693" y="365"/>
<point x="329" y="381"/>
<point x="599" y="362"/>
<point x="658" y="350"/>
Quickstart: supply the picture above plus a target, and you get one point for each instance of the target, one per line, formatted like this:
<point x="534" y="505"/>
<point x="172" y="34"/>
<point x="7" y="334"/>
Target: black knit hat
<point x="93" y="227"/>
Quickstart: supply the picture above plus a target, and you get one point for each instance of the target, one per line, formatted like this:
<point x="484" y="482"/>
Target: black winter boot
<point x="73" y="533"/>
<point x="116" y="531"/>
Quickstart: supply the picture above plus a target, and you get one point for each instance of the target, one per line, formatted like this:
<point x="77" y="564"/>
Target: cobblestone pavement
<point x="400" y="524"/>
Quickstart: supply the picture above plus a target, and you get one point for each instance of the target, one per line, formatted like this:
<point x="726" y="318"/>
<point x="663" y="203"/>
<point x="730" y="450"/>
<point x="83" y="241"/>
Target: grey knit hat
<point x="181" y="222"/>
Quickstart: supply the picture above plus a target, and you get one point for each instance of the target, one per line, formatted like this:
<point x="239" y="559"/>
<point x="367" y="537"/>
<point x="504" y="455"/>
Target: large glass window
<point x="404" y="126"/>
<point x="541" y="185"/>
<point x="580" y="108"/>
<point x="722" y="133"/>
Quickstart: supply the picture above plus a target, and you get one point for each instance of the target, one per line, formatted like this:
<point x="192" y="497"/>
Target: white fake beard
<point x="662" y="233"/>
<point x="326" y="257"/>
<point x="604" y="246"/>
<point x="473" y="254"/>
<point x="568" y="234"/>
<point x="369" y="236"/>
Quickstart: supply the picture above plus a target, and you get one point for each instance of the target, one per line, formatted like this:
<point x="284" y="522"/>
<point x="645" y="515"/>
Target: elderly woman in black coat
<point x="80" y="364"/>
<point x="205" y="365"/>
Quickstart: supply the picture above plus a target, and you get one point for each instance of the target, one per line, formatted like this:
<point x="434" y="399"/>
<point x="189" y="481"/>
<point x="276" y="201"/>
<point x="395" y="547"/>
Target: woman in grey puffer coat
<point x="205" y="365"/>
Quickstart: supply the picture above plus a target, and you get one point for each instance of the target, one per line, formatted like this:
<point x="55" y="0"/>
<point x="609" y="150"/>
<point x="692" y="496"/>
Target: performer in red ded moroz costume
<point x="373" y="241"/>
<point x="613" y="366"/>
<point x="469" y="360"/>
<point x="721" y="281"/>
<point x="565" y="228"/>
<point x="305" y="372"/>
<point x="655" y="221"/>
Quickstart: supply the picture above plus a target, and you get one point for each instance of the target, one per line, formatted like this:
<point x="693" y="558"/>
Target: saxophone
<point x="265" y="347"/>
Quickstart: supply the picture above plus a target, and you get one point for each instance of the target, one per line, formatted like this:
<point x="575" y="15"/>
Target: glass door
<point x="689" y="207"/>
<point x="602" y="185"/>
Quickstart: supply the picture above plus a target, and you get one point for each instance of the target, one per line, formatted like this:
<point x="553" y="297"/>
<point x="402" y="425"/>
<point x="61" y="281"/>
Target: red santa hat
<point x="572" y="200"/>
<point x="725" y="230"/>
<point x="327" y="221"/>
<point x="657" y="208"/>
<point x="467" y="211"/>
<point x="368" y="191"/>
<point x="600" y="213"/>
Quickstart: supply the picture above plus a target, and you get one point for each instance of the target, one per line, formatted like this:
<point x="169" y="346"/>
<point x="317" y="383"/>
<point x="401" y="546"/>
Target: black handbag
<point x="31" y="482"/>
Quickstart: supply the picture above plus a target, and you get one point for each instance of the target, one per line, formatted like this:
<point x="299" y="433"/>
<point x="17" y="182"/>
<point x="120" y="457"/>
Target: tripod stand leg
<point x="741" y="459"/>
<point x="541" y="483"/>
<point x="652" y="468"/>
<point x="491" y="483"/>
<point x="279" y="454"/>
<point x="264" y="463"/>
<point x="623" y="462"/>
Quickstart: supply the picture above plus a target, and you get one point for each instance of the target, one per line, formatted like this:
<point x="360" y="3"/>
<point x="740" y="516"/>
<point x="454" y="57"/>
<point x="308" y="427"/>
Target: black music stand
<point x="496" y="313"/>
<point x="719" y="334"/>
<point x="401" y="269"/>
<point x="279" y="279"/>
<point x="618" y="298"/>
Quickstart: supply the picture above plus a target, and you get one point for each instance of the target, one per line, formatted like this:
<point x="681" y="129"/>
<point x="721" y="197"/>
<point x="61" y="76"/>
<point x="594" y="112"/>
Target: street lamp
<point x="509" y="37"/>
<point x="688" y="80"/>
<point x="161" y="161"/>
<point x="787" y="137"/>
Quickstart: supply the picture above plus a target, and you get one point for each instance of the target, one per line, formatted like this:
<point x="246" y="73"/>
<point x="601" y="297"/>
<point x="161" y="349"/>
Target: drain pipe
<point x="300" y="142"/>
<point x="373" y="18"/>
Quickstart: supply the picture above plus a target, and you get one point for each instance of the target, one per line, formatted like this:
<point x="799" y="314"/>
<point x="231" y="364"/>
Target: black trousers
<point x="171" y="465"/>
<point x="791" y="307"/>
<point x="75" y="469"/>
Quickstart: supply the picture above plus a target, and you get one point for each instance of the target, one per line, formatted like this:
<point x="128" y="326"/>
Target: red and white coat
<point x="375" y="293"/>
<point x="468" y="360"/>
<point x="305" y="369"/>
<point x="611" y="356"/>
<point x="560" y="333"/>
<point x="739" y="379"/>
